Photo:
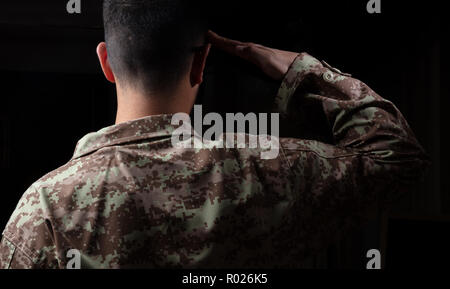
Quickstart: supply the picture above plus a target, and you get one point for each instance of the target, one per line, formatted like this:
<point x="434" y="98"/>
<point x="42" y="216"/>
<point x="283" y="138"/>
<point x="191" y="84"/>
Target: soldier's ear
<point x="103" y="58"/>
<point x="198" y="64"/>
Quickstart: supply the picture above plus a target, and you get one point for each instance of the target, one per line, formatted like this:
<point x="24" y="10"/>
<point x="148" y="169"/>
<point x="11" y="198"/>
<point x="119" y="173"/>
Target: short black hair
<point x="149" y="41"/>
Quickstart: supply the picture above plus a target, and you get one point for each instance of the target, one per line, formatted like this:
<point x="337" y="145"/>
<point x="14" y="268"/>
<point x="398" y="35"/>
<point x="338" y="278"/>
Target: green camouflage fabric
<point x="129" y="199"/>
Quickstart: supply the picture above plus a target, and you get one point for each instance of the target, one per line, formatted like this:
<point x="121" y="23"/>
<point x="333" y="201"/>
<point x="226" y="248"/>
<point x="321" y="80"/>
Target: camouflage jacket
<point x="128" y="198"/>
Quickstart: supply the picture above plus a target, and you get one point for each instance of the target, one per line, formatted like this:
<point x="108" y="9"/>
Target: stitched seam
<point x="22" y="249"/>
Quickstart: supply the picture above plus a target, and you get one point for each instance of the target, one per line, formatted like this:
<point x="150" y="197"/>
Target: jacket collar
<point x="154" y="126"/>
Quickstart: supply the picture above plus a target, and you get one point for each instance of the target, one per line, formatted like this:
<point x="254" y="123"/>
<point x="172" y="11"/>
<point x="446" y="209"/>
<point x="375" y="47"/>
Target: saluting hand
<point x="275" y="63"/>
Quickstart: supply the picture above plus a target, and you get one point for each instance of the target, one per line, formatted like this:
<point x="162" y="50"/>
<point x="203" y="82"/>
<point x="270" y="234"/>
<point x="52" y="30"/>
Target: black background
<point x="53" y="93"/>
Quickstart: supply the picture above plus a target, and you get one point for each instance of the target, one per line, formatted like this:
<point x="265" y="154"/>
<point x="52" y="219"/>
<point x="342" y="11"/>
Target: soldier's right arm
<point x="373" y="157"/>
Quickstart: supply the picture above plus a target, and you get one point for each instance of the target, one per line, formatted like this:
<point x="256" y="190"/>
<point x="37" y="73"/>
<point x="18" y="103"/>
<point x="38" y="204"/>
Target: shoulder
<point x="43" y="207"/>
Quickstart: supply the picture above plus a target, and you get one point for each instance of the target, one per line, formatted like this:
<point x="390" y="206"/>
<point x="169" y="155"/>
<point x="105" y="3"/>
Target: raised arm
<point x="373" y="156"/>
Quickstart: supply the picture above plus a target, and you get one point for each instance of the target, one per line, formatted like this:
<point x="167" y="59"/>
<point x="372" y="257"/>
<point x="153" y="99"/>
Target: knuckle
<point x="250" y="44"/>
<point x="251" y="47"/>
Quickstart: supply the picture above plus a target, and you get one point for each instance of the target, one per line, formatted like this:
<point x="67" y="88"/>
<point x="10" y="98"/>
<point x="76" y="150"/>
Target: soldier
<point x="128" y="198"/>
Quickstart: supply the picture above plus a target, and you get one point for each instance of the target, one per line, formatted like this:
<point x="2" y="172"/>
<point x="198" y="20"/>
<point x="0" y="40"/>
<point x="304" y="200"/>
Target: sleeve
<point x="372" y="158"/>
<point x="370" y="137"/>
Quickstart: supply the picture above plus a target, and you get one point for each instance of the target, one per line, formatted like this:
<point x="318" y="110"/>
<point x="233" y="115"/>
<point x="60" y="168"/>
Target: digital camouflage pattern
<point x="129" y="199"/>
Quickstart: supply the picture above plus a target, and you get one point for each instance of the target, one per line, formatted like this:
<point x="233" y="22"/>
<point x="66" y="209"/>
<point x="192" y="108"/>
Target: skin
<point x="134" y="103"/>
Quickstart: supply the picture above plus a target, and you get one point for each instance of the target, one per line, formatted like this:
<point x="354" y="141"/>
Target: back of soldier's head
<point x="149" y="41"/>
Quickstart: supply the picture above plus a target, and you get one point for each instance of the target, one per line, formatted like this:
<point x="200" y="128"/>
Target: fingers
<point x="273" y="62"/>
<point x="228" y="45"/>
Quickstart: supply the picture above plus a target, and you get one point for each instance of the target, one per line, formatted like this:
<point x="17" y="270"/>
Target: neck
<point x="133" y="104"/>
